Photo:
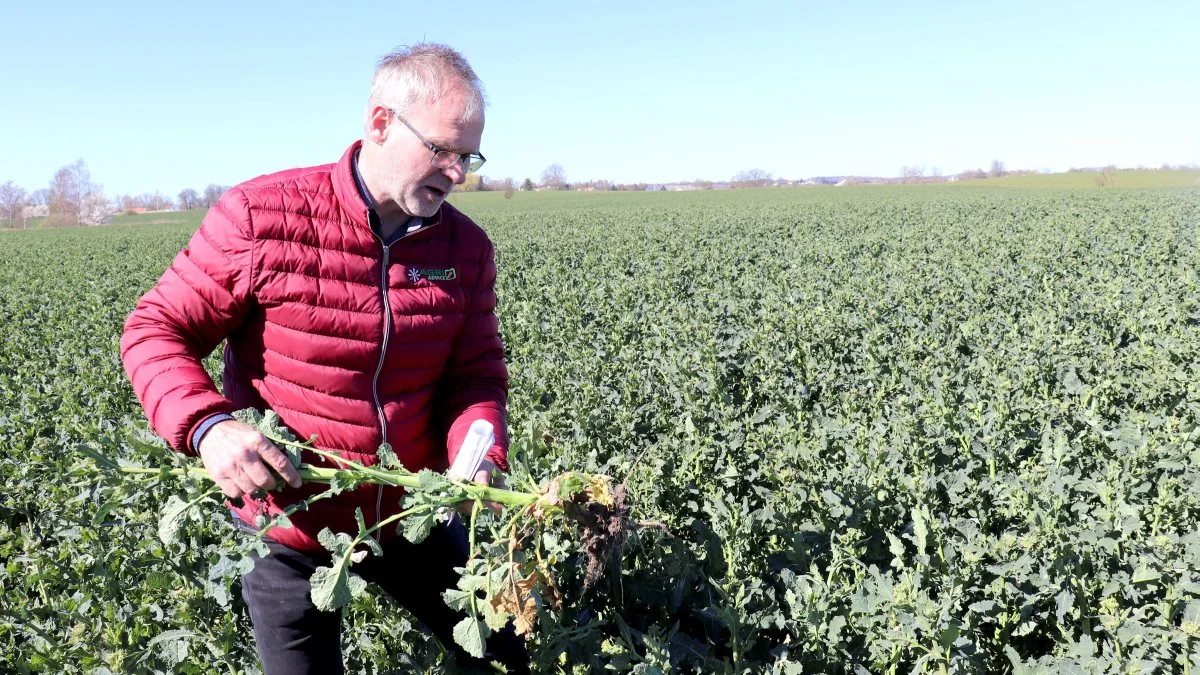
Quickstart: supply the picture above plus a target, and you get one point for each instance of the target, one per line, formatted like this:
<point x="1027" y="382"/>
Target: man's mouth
<point x="438" y="193"/>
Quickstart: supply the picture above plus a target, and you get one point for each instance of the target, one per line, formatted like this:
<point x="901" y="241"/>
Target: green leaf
<point x="343" y="481"/>
<point x="418" y="526"/>
<point x="334" y="587"/>
<point x="336" y="543"/>
<point x="896" y="548"/>
<point x="102" y="460"/>
<point x="471" y="634"/>
<point x="387" y="457"/>
<point x="432" y="481"/>
<point x="171" y="520"/>
<point x="1144" y="575"/>
<point x="248" y="416"/>
<point x="920" y="529"/>
<point x="459" y="601"/>
<point x="103" y="512"/>
<point x="172" y="645"/>
<point x="1072" y="383"/>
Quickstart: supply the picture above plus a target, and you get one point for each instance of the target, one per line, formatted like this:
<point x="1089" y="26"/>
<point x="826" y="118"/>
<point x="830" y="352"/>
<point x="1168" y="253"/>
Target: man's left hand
<point x="484" y="477"/>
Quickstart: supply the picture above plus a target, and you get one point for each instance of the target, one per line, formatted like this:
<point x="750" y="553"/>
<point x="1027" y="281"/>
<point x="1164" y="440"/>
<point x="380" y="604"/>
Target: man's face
<point x="417" y="186"/>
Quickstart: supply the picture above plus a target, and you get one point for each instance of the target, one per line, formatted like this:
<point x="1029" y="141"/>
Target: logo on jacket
<point x="432" y="274"/>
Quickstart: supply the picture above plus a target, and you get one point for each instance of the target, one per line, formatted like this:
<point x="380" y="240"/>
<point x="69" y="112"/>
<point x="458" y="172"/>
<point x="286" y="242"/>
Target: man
<point x="360" y="308"/>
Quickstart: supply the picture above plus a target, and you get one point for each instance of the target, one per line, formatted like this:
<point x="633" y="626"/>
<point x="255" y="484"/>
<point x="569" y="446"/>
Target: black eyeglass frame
<point x="443" y="158"/>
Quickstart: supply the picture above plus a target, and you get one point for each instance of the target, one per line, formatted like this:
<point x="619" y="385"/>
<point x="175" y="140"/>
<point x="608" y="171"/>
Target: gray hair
<point x="424" y="72"/>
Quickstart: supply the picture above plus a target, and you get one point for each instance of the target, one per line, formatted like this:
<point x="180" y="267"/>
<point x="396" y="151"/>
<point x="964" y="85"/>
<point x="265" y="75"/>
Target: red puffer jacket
<point x="342" y="337"/>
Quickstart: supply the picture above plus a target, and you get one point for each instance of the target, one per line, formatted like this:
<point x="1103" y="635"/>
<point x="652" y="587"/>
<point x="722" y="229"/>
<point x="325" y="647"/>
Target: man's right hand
<point x="239" y="459"/>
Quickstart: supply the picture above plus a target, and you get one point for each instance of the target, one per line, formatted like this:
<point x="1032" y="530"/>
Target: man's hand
<point x="239" y="459"/>
<point x="484" y="477"/>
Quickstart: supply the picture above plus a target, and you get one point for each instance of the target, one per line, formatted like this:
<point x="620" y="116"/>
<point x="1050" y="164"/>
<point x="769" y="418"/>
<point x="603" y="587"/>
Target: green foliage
<point x="879" y="430"/>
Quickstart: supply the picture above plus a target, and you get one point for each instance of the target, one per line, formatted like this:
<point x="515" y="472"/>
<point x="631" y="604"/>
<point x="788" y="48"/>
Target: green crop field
<point x="864" y="430"/>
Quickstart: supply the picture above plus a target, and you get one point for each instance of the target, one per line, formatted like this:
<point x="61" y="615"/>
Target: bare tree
<point x="997" y="169"/>
<point x="156" y="202"/>
<point x="752" y="178"/>
<point x="188" y="199"/>
<point x="555" y="176"/>
<point x="12" y="204"/>
<point x="212" y="194"/>
<point x="68" y="189"/>
<point x="506" y="185"/>
<point x="912" y="174"/>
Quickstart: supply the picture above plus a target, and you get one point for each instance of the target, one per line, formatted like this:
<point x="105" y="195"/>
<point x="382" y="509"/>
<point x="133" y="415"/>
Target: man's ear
<point x="378" y="124"/>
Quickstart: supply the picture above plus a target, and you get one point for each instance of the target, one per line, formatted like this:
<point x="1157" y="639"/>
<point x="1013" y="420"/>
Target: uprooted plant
<point x="507" y="577"/>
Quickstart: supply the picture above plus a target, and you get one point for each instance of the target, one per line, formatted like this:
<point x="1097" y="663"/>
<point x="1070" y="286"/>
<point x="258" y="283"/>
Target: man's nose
<point x="456" y="172"/>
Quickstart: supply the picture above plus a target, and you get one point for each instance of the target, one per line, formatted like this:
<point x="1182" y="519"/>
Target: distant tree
<point x="12" y="204"/>
<point x="752" y="178"/>
<point x="1107" y="176"/>
<point x="39" y="197"/>
<point x="188" y="199"/>
<point x="473" y="183"/>
<point x="527" y="185"/>
<point x="68" y="189"/>
<point x="212" y="194"/>
<point x="94" y="210"/>
<point x="507" y="185"/>
<point x="997" y="169"/>
<point x="555" y="177"/>
<point x="156" y="202"/>
<point x="912" y="174"/>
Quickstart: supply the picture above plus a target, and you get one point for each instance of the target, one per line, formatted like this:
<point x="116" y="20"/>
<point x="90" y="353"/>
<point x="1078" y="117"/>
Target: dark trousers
<point x="293" y="637"/>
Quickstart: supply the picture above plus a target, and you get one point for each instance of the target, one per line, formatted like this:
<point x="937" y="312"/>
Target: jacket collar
<point x="345" y="187"/>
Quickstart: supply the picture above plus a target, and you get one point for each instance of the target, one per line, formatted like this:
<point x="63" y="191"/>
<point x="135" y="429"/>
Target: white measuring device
<point x="480" y="438"/>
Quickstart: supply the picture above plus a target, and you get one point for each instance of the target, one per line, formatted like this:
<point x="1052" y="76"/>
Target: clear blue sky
<point x="163" y="96"/>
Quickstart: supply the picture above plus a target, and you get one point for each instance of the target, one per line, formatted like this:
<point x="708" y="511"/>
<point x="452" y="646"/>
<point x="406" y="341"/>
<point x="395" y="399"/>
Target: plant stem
<point x="411" y="481"/>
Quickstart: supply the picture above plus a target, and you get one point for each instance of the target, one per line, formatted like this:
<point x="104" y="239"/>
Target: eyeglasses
<point x="443" y="158"/>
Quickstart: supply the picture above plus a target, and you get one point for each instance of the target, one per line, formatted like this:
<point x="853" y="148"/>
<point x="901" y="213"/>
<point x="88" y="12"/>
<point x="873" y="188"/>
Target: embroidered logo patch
<point x="432" y="274"/>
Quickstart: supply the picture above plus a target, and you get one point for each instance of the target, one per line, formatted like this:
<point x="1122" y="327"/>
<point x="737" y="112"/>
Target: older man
<point x="358" y="306"/>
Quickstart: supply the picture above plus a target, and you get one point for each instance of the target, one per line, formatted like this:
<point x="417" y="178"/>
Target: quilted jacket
<point x="346" y="339"/>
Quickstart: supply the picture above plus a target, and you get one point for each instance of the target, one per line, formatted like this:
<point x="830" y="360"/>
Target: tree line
<point x="72" y="198"/>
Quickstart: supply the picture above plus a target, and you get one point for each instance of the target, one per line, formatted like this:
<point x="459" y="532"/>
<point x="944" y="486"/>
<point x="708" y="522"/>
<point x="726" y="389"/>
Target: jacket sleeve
<point x="199" y="300"/>
<point x="475" y="385"/>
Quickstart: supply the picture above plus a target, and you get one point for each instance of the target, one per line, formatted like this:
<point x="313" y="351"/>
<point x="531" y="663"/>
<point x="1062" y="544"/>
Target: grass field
<point x="880" y="429"/>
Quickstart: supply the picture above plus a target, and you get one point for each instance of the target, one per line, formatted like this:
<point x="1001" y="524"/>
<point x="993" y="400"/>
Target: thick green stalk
<point x="412" y="481"/>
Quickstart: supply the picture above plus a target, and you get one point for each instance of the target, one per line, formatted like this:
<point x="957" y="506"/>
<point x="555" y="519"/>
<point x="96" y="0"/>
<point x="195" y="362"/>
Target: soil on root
<point x="604" y="529"/>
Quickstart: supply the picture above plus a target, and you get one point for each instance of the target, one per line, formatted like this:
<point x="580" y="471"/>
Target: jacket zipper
<point x="387" y="330"/>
